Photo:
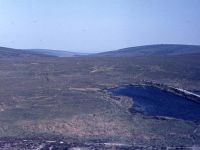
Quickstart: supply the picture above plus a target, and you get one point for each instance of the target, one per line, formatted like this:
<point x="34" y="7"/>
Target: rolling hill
<point x="58" y="53"/>
<point x="153" y="50"/>
<point x="148" y="50"/>
<point x="11" y="52"/>
<point x="64" y="103"/>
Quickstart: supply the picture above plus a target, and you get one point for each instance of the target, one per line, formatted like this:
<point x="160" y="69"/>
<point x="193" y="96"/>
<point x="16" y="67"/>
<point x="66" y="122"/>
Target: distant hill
<point x="11" y="52"/>
<point x="58" y="53"/>
<point x="153" y="50"/>
<point x="148" y="50"/>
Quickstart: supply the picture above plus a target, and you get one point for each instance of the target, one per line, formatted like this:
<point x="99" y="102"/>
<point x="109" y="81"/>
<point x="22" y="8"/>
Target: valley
<point x="56" y="97"/>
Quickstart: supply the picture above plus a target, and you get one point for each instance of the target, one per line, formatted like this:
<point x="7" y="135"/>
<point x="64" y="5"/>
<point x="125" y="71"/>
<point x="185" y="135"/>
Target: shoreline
<point x="178" y="91"/>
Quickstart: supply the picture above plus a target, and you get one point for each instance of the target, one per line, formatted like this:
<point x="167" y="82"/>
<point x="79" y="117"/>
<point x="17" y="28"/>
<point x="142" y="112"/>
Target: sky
<point x="98" y="25"/>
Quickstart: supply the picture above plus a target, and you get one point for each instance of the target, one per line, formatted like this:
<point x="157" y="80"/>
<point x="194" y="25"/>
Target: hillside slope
<point x="58" y="53"/>
<point x="153" y="50"/>
<point x="11" y="52"/>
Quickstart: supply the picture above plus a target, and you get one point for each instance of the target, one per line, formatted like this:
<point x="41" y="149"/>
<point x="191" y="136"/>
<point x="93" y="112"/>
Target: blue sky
<point x="98" y="25"/>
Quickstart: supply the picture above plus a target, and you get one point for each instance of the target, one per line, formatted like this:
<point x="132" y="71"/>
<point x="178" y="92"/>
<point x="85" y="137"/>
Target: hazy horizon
<point x="93" y="52"/>
<point x="97" y="25"/>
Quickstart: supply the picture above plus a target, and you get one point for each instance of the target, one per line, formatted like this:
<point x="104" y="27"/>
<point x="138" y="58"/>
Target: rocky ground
<point x="61" y="145"/>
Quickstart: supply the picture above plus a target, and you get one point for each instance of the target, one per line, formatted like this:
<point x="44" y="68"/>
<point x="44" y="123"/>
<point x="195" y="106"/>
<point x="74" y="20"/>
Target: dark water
<point x="153" y="101"/>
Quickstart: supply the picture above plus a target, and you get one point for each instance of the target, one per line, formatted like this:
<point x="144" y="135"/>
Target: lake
<point x="153" y="101"/>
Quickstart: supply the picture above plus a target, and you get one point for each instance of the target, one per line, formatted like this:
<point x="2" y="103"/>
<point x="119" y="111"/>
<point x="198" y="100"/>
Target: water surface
<point x="153" y="101"/>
